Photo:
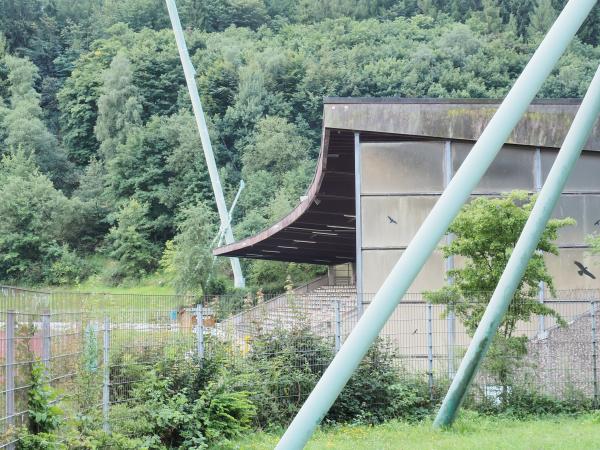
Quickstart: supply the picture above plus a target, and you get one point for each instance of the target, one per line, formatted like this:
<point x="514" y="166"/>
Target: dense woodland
<point x="102" y="170"/>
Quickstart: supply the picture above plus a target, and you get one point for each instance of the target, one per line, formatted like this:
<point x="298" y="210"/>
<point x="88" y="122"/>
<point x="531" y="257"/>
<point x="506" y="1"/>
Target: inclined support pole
<point x="517" y="264"/>
<point x="435" y="225"/>
<point x="211" y="165"/>
<point x="218" y="239"/>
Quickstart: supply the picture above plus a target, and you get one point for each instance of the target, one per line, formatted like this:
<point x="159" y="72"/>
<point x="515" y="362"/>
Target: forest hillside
<point x="102" y="175"/>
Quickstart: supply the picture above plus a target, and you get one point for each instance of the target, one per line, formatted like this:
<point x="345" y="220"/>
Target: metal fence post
<point x="10" y="367"/>
<point x="200" y="331"/>
<point x="106" y="381"/>
<point x="594" y="354"/>
<point x="46" y="340"/>
<point x="338" y="326"/>
<point x="430" y="349"/>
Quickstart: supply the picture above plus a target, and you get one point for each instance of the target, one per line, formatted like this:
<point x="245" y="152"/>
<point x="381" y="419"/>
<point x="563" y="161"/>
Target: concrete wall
<point x="403" y="180"/>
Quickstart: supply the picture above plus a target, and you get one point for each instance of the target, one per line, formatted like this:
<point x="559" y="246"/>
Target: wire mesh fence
<point x="97" y="347"/>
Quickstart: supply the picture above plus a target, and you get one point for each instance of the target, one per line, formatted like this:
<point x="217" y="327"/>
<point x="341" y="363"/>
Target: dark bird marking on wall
<point x="392" y="220"/>
<point x="414" y="332"/>
<point x="597" y="222"/>
<point x="584" y="270"/>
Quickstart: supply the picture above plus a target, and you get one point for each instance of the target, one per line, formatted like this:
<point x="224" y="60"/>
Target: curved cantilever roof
<point x="321" y="229"/>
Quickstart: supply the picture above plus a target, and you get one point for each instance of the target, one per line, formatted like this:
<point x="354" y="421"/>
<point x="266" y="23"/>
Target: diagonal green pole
<point x="433" y="228"/>
<point x="517" y="264"/>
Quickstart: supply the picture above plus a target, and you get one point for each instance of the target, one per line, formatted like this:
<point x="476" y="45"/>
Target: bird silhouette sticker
<point x="597" y="223"/>
<point x="392" y="220"/>
<point x="584" y="270"/>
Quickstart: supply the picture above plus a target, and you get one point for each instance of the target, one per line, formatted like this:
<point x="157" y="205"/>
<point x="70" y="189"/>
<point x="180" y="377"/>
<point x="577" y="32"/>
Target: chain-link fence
<point x="96" y="347"/>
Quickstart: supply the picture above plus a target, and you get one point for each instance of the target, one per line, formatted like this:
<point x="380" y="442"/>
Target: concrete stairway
<point x="314" y="310"/>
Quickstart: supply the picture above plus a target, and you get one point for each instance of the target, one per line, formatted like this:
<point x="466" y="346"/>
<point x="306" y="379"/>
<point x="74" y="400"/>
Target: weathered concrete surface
<point x="545" y="123"/>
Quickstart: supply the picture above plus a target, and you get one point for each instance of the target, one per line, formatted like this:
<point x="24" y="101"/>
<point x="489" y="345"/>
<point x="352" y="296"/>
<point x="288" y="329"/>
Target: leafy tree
<point x="94" y="207"/>
<point x="489" y="19"/>
<point x="19" y="20"/>
<point x="130" y="243"/>
<point x="34" y="218"/>
<point x="593" y="241"/>
<point x="118" y="107"/>
<point x="188" y="258"/>
<point x="137" y="14"/>
<point x="144" y="167"/>
<point x="542" y="17"/>
<point x="485" y="234"/>
<point x="24" y="126"/>
<point x="276" y="147"/>
<point x="78" y="98"/>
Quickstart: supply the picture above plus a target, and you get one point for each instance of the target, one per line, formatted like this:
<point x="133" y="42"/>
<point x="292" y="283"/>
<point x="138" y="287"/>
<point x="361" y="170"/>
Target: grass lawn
<point x="153" y="284"/>
<point x="469" y="432"/>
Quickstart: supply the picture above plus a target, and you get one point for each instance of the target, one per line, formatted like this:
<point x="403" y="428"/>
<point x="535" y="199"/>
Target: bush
<point x="283" y="368"/>
<point x="100" y="440"/>
<point x="41" y="441"/>
<point x="163" y="417"/>
<point x="522" y="401"/>
<point x="67" y="269"/>
<point x="286" y="365"/>
<point x="44" y="416"/>
<point x="130" y="244"/>
<point x="377" y="392"/>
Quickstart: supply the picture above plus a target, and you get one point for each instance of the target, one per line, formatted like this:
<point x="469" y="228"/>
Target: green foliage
<point x="594" y="242"/>
<point x="270" y="276"/>
<point x="25" y="129"/>
<point x="526" y="401"/>
<point x="166" y="417"/>
<point x="276" y="147"/>
<point x="43" y="415"/>
<point x="187" y="258"/>
<point x="35" y="223"/>
<point x="38" y="441"/>
<point x="485" y="234"/>
<point x="542" y="17"/>
<point x="379" y="391"/>
<point x="67" y="269"/>
<point x="101" y="440"/>
<point x="119" y="107"/>
<point x="130" y="243"/>
<point x="287" y="364"/>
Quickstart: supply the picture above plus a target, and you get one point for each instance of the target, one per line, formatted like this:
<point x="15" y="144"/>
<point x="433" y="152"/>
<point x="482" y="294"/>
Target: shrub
<point x="67" y="269"/>
<point x="163" y="417"/>
<point x="377" y="391"/>
<point x="41" y="441"/>
<point x="44" y="416"/>
<point x="283" y="367"/>
<point x="286" y="365"/>
<point x="522" y="401"/>
<point x="130" y="244"/>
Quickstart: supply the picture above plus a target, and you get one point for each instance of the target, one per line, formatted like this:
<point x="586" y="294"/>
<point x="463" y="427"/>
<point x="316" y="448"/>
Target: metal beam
<point x="358" y="224"/>
<point x="218" y="239"/>
<point x="211" y="165"/>
<point x="435" y="225"/>
<point x="449" y="265"/>
<point x="526" y="245"/>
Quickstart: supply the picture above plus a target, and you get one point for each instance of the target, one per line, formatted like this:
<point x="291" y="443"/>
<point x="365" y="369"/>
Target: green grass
<point x="155" y="285"/>
<point x="469" y="432"/>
